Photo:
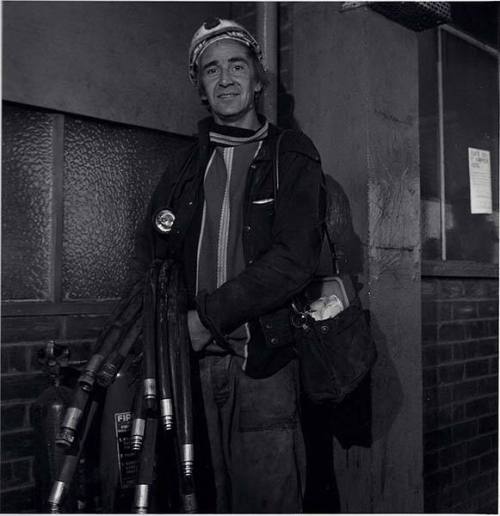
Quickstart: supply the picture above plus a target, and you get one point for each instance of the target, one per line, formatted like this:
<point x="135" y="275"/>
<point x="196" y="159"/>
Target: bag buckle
<point x="299" y="320"/>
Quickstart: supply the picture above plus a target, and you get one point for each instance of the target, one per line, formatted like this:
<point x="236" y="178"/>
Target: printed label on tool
<point x="127" y="459"/>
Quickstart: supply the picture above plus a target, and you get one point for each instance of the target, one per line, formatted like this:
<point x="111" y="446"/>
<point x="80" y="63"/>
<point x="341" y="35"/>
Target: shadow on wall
<point x="386" y="382"/>
<point x="356" y="421"/>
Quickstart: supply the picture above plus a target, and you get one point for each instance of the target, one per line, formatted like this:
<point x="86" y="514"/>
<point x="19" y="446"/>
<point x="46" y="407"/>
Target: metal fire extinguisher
<point x="47" y="414"/>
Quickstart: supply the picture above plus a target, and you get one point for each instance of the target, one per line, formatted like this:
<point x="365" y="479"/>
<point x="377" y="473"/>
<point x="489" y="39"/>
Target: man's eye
<point x="211" y="71"/>
<point x="238" y="68"/>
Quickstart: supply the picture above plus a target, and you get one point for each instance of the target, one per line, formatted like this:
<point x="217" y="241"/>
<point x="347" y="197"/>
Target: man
<point x="249" y="240"/>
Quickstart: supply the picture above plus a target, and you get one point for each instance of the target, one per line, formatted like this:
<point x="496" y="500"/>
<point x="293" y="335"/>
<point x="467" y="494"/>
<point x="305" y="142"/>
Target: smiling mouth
<point x="227" y="95"/>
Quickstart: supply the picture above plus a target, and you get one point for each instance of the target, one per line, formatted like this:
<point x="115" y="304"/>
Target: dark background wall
<point x="120" y="61"/>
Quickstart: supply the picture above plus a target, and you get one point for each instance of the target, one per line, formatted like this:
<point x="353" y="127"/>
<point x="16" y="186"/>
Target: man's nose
<point x="225" y="77"/>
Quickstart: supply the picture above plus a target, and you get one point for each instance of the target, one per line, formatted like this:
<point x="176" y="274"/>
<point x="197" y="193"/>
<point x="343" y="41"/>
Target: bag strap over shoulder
<point x="276" y="184"/>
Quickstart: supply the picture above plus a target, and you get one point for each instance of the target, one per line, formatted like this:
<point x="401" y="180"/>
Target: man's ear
<point x="258" y="87"/>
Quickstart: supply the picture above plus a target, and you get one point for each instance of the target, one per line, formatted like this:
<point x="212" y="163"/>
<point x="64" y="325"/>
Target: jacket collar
<point x="268" y="148"/>
<point x="203" y="130"/>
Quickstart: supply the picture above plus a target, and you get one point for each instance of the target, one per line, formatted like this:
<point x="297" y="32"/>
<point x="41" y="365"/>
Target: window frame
<point x="445" y="267"/>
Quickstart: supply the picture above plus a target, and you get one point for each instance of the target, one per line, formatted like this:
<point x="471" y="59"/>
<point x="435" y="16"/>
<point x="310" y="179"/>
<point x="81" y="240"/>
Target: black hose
<point x="162" y="354"/>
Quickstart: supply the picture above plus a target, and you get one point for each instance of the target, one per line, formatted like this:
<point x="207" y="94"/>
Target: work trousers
<point x="256" y="443"/>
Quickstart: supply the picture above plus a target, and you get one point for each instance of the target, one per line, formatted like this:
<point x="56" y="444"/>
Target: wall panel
<point x="27" y="157"/>
<point x="110" y="172"/>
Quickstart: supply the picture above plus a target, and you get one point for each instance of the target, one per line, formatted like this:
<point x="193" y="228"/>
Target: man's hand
<point x="200" y="336"/>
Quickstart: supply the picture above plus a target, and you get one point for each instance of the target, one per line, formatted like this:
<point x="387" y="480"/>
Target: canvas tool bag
<point x="337" y="351"/>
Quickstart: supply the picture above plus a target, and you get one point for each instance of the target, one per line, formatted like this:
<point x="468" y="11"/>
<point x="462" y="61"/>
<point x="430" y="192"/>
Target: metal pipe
<point x="473" y="41"/>
<point x="267" y="36"/>
<point x="442" y="184"/>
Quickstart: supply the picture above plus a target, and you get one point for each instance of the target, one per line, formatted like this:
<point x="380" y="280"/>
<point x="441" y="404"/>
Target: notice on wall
<point x="480" y="181"/>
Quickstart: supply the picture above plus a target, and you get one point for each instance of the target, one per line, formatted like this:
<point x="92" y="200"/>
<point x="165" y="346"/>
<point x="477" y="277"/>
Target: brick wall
<point x="22" y="382"/>
<point x="460" y="380"/>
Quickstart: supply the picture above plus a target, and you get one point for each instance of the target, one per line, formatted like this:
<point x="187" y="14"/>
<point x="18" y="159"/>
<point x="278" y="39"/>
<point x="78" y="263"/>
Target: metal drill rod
<point x="184" y="344"/>
<point x="138" y="419"/>
<point x="87" y="378"/>
<point x="180" y="370"/>
<point x="69" y="466"/>
<point x="188" y="497"/>
<point x="162" y="358"/>
<point x="145" y="475"/>
<point x="107" y="374"/>
<point x="173" y="352"/>
<point x="109" y="338"/>
<point x="84" y="387"/>
<point x="149" y="337"/>
<point x="183" y="444"/>
<point x="186" y="489"/>
<point x="72" y="417"/>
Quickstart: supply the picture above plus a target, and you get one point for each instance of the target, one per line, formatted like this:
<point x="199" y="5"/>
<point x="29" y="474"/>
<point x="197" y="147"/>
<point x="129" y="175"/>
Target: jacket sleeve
<point x="291" y="261"/>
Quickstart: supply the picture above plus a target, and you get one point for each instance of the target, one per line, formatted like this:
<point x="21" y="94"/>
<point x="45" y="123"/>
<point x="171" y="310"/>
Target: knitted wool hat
<point x="214" y="30"/>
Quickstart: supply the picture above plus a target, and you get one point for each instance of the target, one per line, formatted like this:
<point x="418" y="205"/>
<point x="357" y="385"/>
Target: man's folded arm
<point x="288" y="266"/>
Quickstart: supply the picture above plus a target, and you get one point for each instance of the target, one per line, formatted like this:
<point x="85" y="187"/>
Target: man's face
<point x="228" y="77"/>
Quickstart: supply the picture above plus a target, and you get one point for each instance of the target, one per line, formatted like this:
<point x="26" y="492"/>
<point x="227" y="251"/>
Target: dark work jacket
<point x="281" y="241"/>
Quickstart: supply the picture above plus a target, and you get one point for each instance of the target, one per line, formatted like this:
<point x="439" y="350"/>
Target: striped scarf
<point x="234" y="136"/>
<point x="220" y="249"/>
